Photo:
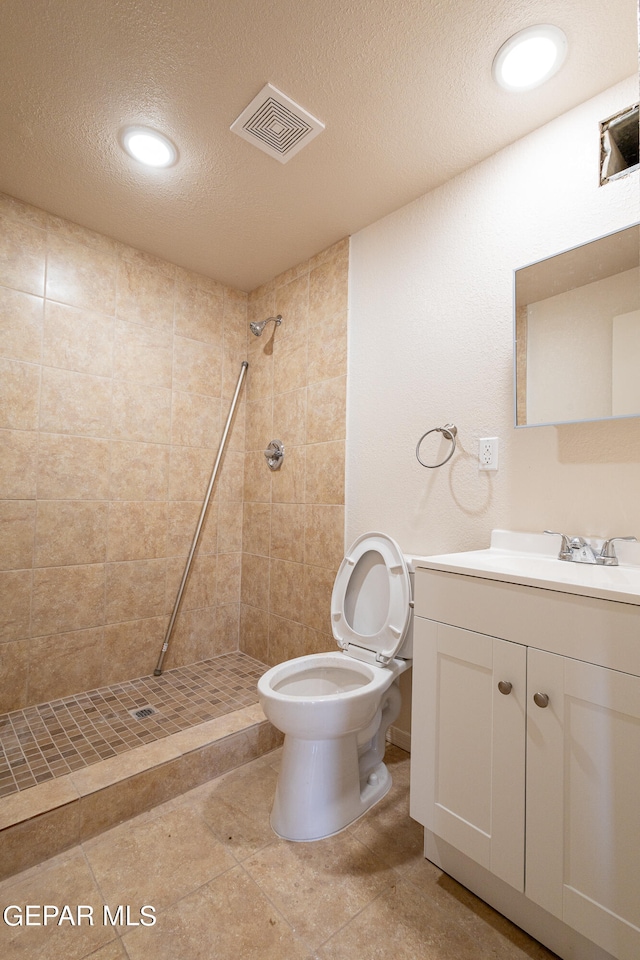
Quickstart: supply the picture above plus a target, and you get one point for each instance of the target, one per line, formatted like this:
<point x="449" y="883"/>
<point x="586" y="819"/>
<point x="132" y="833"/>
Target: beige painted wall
<point x="293" y="537"/>
<point x="430" y="342"/>
<point x="116" y="371"/>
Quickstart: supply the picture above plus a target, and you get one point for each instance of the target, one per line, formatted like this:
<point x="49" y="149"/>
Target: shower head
<point x="257" y="326"/>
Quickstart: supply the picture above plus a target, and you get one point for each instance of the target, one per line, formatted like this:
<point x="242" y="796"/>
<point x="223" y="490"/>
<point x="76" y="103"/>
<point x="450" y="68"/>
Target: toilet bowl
<point x="335" y="708"/>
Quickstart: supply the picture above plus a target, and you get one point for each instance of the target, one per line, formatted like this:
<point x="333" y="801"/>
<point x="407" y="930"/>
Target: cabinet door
<point x="583" y="799"/>
<point x="468" y="739"/>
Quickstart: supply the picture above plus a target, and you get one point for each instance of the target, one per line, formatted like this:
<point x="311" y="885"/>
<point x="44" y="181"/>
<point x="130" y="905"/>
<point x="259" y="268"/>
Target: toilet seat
<point x="370" y="602"/>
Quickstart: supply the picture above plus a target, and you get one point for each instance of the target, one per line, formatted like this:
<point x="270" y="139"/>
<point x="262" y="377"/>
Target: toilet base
<point x="319" y="791"/>
<point x="324" y="785"/>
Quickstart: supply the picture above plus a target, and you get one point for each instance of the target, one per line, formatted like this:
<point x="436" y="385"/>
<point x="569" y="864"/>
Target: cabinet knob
<point x="504" y="687"/>
<point x="541" y="699"/>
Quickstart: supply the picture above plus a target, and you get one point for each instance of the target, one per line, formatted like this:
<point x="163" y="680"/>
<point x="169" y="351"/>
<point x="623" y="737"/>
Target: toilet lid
<point x="370" y="600"/>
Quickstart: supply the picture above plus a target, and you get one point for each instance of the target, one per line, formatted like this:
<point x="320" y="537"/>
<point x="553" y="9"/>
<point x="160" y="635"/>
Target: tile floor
<point x="225" y="888"/>
<point x="51" y="740"/>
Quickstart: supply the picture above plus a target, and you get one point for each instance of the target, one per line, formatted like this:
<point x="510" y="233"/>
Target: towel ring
<point x="449" y="431"/>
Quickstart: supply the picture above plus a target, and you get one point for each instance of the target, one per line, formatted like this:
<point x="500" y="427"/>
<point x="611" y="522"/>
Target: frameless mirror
<point x="577" y="333"/>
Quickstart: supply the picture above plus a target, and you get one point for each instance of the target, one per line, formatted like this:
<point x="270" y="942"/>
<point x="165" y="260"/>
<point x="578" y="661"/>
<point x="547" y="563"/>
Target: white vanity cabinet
<point x="470" y="765"/>
<point x="583" y="799"/>
<point x="525" y="766"/>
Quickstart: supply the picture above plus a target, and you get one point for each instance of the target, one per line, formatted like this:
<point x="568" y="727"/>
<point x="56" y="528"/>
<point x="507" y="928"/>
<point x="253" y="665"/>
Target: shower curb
<point x="47" y="819"/>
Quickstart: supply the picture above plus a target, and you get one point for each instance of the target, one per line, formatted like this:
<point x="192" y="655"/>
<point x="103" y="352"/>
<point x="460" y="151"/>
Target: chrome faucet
<point x="578" y="550"/>
<point x="607" y="556"/>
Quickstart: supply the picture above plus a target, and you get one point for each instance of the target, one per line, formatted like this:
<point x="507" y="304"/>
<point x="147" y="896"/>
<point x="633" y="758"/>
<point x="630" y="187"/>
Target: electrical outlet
<point x="488" y="453"/>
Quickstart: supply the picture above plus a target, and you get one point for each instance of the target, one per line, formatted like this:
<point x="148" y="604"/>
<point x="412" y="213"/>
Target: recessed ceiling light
<point x="530" y="57"/>
<point x="148" y="146"/>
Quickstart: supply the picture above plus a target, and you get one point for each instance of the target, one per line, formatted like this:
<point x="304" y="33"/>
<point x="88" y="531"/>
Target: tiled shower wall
<point x="116" y="371"/>
<point x="293" y="528"/>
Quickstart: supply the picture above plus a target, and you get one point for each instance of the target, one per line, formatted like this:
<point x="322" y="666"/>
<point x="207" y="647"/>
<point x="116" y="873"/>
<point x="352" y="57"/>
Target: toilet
<point x="335" y="708"/>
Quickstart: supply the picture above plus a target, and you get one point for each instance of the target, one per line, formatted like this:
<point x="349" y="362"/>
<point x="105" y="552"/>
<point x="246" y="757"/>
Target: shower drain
<point x="141" y="712"/>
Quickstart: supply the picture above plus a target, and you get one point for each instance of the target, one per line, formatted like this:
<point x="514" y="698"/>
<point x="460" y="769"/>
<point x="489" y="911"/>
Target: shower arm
<point x="196" y="537"/>
<point x="257" y="326"/>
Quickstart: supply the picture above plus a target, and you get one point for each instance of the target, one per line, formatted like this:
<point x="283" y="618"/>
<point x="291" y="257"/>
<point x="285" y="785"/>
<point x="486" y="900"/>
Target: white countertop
<point x="532" y="560"/>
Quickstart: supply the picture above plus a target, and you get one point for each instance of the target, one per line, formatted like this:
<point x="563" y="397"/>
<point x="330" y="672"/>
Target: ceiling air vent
<point x="276" y="124"/>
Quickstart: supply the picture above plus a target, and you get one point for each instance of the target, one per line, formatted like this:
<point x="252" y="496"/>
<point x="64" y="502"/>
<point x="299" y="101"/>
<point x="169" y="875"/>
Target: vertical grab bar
<point x="196" y="537"/>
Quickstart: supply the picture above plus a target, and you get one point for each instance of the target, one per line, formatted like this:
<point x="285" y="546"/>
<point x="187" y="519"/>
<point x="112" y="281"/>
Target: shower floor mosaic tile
<point x="52" y="739"/>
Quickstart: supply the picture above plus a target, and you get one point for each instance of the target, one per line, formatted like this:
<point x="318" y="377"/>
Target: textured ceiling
<point x="404" y="88"/>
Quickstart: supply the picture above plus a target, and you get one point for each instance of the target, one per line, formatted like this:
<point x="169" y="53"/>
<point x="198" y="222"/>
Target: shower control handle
<point x="275" y="454"/>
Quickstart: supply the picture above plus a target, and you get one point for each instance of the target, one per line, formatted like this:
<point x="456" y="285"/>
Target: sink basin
<point x="531" y="559"/>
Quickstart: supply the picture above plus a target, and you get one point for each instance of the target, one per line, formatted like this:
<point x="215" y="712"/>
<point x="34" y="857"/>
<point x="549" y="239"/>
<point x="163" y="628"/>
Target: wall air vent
<point x="276" y="124"/>
<point x="620" y="145"/>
